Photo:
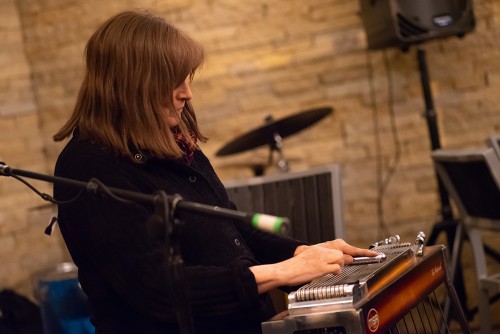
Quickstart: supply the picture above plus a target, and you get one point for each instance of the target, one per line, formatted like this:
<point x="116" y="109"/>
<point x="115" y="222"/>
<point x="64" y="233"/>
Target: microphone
<point x="271" y="224"/>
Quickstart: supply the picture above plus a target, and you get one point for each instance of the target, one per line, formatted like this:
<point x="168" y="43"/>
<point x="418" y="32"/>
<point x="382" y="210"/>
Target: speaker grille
<point x="409" y="29"/>
<point x="400" y="23"/>
<point x="312" y="201"/>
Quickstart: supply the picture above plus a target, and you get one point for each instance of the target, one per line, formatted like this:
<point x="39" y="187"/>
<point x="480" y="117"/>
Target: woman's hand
<point x="312" y="262"/>
<point x="308" y="263"/>
<point x="339" y="244"/>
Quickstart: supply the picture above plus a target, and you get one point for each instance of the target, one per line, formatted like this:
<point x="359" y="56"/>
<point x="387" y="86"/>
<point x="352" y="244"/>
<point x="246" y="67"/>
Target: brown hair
<point x="134" y="61"/>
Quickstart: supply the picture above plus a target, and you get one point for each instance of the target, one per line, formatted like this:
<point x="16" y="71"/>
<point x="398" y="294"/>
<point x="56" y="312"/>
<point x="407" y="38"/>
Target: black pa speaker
<point x="401" y="23"/>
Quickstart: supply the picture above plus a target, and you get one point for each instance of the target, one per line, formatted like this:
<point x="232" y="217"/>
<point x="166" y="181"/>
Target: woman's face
<point x="180" y="96"/>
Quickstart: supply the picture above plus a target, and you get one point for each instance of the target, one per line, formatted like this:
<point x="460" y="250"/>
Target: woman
<point x="133" y="127"/>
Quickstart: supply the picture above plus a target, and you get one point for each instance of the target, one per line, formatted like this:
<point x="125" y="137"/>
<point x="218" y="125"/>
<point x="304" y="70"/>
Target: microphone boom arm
<point x="280" y="225"/>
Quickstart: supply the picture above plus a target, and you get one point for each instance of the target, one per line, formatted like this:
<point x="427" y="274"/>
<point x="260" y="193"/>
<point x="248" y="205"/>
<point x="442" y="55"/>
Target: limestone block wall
<point x="266" y="57"/>
<point x="24" y="249"/>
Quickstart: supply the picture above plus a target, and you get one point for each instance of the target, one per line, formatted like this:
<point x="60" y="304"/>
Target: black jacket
<point x="120" y="250"/>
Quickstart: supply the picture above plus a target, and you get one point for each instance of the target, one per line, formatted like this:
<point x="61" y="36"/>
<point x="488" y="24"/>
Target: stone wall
<point x="266" y="57"/>
<point x="24" y="249"/>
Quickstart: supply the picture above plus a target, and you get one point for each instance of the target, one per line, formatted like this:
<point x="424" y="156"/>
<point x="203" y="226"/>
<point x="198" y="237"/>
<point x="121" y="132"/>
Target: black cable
<point x="378" y="149"/>
<point x="395" y="135"/>
<point x="383" y="181"/>
<point x="95" y="186"/>
<point x="44" y="196"/>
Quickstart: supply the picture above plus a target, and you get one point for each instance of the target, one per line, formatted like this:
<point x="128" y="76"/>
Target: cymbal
<point x="265" y="135"/>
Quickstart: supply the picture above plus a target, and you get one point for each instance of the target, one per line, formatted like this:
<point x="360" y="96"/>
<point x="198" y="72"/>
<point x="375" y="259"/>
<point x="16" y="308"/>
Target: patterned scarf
<point x="186" y="147"/>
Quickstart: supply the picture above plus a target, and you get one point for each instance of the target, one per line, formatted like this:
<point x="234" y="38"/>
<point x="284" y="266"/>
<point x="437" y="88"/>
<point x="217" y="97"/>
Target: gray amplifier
<point x="312" y="200"/>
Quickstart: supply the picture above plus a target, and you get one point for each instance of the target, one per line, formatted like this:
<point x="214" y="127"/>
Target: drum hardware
<point x="272" y="133"/>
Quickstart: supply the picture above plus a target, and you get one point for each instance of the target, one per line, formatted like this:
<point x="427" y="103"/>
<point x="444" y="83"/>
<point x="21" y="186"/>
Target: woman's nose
<point x="184" y="91"/>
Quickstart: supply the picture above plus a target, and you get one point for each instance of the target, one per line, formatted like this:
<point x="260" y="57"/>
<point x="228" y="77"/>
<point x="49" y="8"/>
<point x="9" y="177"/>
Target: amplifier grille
<point x="311" y="200"/>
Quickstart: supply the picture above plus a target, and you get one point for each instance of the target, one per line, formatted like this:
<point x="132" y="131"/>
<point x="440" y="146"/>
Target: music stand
<point x="472" y="178"/>
<point x="494" y="142"/>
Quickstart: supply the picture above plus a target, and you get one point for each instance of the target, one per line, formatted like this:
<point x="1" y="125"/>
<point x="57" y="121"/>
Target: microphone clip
<point x="4" y="169"/>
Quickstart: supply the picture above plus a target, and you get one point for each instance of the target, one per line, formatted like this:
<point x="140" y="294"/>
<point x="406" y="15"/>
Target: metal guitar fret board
<point x="321" y="288"/>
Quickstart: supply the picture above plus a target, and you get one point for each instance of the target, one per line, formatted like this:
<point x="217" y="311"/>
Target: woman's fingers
<point x="348" y="249"/>
<point x="336" y="269"/>
<point x="347" y="259"/>
<point x="355" y="251"/>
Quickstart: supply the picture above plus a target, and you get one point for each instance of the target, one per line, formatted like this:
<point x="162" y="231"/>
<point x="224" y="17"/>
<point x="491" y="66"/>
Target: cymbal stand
<point x="277" y="146"/>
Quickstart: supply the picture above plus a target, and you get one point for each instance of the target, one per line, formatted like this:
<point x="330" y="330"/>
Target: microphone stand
<point x="165" y="208"/>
